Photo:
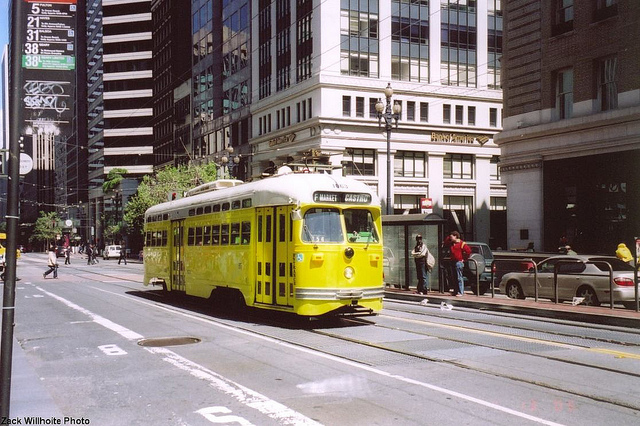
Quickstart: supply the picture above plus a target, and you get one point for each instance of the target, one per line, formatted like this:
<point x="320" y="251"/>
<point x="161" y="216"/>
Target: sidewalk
<point x="544" y="308"/>
<point x="29" y="397"/>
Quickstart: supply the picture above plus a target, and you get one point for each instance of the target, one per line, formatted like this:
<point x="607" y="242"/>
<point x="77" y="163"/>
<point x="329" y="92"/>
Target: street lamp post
<point x="391" y="115"/>
<point x="230" y="162"/>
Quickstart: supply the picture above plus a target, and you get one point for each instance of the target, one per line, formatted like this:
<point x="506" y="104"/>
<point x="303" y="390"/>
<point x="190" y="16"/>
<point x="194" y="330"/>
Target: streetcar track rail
<point x="183" y="304"/>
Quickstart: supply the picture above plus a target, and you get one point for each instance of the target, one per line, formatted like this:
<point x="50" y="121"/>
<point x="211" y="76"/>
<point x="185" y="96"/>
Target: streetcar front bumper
<point x="339" y="293"/>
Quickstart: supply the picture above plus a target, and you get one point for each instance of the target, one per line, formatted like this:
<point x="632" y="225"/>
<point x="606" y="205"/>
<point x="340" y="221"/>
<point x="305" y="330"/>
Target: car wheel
<point x="590" y="298"/>
<point x="514" y="291"/>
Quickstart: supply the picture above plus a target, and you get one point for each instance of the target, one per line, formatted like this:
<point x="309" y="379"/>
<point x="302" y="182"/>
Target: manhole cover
<point x="168" y="341"/>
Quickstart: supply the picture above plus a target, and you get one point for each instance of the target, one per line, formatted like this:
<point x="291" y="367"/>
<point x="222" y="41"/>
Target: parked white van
<point x="111" y="252"/>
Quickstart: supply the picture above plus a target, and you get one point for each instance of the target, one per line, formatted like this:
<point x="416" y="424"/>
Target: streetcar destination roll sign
<point x="341" y="197"/>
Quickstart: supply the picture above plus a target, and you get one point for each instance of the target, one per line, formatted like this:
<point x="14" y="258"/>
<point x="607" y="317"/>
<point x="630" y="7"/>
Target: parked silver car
<point x="580" y="278"/>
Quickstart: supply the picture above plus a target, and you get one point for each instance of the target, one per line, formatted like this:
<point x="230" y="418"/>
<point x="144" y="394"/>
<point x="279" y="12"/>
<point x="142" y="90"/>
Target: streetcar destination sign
<point x="341" y="197"/>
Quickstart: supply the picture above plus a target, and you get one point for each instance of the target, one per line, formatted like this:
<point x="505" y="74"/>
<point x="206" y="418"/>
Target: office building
<point x="571" y="139"/>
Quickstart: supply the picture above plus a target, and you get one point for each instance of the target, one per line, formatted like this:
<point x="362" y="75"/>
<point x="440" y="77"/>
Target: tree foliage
<point x="155" y="189"/>
<point x="113" y="179"/>
<point x="46" y="228"/>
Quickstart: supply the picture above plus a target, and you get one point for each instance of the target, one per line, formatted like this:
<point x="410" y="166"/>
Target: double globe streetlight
<point x="391" y="115"/>
<point x="230" y="162"/>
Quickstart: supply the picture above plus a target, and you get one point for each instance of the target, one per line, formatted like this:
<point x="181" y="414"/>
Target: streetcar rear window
<point x="322" y="225"/>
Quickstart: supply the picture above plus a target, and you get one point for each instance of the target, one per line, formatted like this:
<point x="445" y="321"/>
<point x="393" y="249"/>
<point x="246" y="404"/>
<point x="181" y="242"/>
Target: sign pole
<point x="9" y="294"/>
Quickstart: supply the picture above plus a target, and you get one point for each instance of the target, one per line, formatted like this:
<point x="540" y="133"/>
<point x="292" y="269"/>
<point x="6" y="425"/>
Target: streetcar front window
<point x="360" y="226"/>
<point x="322" y="225"/>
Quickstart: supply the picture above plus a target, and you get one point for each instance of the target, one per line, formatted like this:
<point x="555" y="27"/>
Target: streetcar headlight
<point x="349" y="272"/>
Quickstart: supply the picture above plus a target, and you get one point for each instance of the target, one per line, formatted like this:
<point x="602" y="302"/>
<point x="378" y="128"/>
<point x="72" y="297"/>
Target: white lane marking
<point x="211" y="414"/>
<point x="242" y="394"/>
<point x="349" y="363"/>
<point x="275" y="410"/>
<point x="112" y="350"/>
<point x="124" y="332"/>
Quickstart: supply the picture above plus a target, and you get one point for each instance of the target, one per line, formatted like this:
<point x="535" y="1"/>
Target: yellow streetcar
<point x="306" y="243"/>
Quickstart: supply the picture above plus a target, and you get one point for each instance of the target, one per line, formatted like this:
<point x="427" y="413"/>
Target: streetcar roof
<point x="287" y="189"/>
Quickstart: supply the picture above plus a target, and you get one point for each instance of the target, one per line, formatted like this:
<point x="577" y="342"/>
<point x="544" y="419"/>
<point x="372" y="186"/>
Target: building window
<point x="458" y="212"/>
<point x="459" y="114"/>
<point x="359" y="39"/>
<point x="409" y="164"/>
<point x="410" y="40"/>
<point x="458" y="43"/>
<point x="471" y="116"/>
<point x="346" y="106"/>
<point x="494" y="44"/>
<point x="458" y="166"/>
<point x="494" y="168"/>
<point x="564" y="94"/>
<point x="411" y="111"/>
<point x="304" y="44"/>
<point x="359" y="106"/>
<point x="446" y="114"/>
<point x="372" y="108"/>
<point x="403" y="203"/>
<point x="493" y="117"/>
<point x="424" y="112"/>
<point x="359" y="162"/>
<point x="605" y="9"/>
<point x="563" y="18"/>
<point x="607" y="86"/>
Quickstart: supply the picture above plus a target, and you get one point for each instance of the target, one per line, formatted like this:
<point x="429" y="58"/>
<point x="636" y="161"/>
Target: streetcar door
<point x="264" y="256"/>
<point x="177" y="255"/>
<point x="283" y="258"/>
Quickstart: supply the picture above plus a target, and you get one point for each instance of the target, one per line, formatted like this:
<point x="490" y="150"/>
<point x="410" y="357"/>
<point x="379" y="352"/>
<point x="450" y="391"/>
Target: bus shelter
<point x="399" y="236"/>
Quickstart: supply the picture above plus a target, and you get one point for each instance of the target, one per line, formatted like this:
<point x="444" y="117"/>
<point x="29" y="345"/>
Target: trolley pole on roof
<point x="15" y="112"/>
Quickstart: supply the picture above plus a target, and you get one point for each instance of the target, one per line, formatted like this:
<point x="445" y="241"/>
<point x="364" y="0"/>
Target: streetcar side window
<point x="360" y="226"/>
<point x="259" y="229"/>
<point x="246" y="203"/>
<point x="235" y="233"/>
<point x="207" y="209"/>
<point x="215" y="238"/>
<point x="322" y="225"/>
<point x="199" y="236"/>
<point x="246" y="232"/>
<point x="206" y="232"/>
<point x="216" y="208"/>
<point x="235" y="204"/>
<point x="164" y="238"/>
<point x="191" y="237"/>
<point x="224" y="234"/>
<point x="225" y="206"/>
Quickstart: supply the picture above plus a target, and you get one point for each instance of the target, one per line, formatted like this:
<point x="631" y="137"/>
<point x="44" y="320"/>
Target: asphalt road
<point x="109" y="351"/>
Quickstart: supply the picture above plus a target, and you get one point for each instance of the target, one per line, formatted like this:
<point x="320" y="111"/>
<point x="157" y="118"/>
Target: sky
<point x="4" y="22"/>
<point x="4" y="39"/>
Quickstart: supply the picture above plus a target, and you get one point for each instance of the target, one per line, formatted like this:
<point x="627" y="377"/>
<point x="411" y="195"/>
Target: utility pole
<point x="15" y="112"/>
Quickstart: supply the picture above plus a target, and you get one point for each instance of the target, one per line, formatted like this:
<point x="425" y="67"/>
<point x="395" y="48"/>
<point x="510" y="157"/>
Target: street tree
<point x="158" y="187"/>
<point x="47" y="228"/>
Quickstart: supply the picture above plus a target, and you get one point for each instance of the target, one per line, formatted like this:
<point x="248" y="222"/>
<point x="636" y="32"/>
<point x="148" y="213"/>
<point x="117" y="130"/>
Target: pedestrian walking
<point x="91" y="254"/>
<point x="123" y="254"/>
<point x="419" y="254"/>
<point x="460" y="251"/>
<point x="52" y="262"/>
<point x="67" y="255"/>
